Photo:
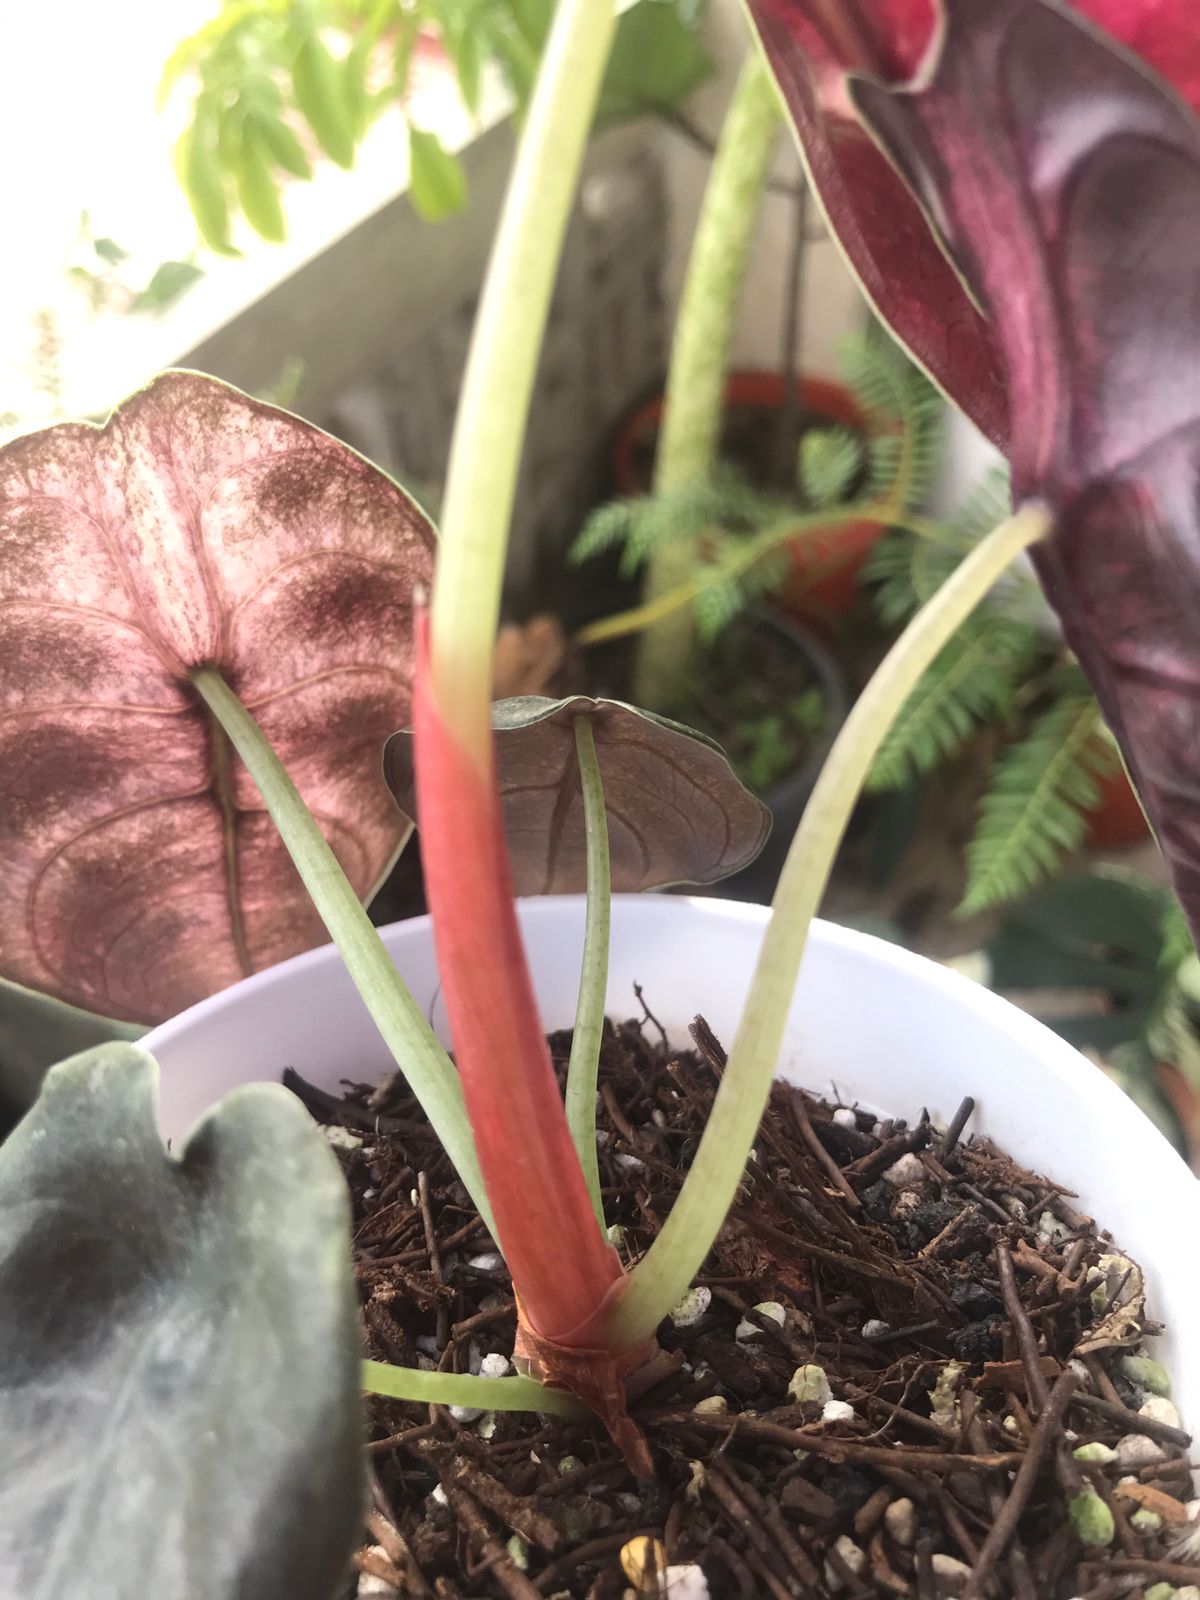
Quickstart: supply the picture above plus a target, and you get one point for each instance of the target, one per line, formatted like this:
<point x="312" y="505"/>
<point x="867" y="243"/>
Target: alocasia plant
<point x="1065" y="316"/>
<point x="196" y="529"/>
<point x="1062" y="177"/>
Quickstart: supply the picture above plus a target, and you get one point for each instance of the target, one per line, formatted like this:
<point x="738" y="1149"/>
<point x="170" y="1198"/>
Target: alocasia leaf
<point x="36" y="1031"/>
<point x="179" y="1357"/>
<point x="1065" y="178"/>
<point x="138" y="869"/>
<point x="811" y="46"/>
<point x="677" y="812"/>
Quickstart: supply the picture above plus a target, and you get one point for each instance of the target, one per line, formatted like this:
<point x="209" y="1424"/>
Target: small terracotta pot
<point x="1118" y="818"/>
<point x="825" y="569"/>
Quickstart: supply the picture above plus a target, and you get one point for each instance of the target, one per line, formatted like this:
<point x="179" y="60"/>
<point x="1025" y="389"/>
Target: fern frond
<point x="889" y="568"/>
<point x="767" y="573"/>
<point x="716" y="607"/>
<point x="606" y="526"/>
<point x="908" y="571"/>
<point x="983" y="508"/>
<point x="830" y="460"/>
<point x="1035" y="810"/>
<point x="903" y="411"/>
<point x="722" y="504"/>
<point x="973" y="678"/>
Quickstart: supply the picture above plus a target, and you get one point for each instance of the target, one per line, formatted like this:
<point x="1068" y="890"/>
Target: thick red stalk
<point x="561" y="1266"/>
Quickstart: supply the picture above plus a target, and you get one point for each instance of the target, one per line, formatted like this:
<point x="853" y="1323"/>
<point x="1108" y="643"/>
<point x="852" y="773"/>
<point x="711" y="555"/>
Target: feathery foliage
<point x="1035" y="809"/>
<point x="879" y="474"/>
<point x="975" y="679"/>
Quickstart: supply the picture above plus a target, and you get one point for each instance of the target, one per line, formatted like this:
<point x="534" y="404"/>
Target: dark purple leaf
<point x="1065" y="179"/>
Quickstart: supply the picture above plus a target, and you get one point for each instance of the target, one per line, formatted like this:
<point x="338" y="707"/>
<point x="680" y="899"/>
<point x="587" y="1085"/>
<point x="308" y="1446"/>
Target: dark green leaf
<point x="283" y="145"/>
<point x="437" y="184"/>
<point x="169" y="281"/>
<point x="37" y="1030"/>
<point x="178" y="1347"/>
<point x="462" y="26"/>
<point x="677" y="812"/>
<point x="1107" y="908"/>
<point x="320" y="89"/>
<point x="656" y="61"/>
<point x="199" y="171"/>
<point x="257" y="189"/>
<point x="109" y="250"/>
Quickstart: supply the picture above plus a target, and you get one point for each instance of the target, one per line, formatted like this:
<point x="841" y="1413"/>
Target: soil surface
<point x="974" y="1330"/>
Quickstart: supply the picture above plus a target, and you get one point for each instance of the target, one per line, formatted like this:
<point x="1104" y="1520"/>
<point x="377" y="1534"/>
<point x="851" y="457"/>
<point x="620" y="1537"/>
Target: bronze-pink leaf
<point x="139" y="871"/>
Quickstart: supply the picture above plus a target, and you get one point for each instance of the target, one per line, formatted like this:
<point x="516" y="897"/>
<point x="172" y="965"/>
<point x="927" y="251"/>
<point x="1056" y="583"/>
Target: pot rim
<point x="1001" y="1015"/>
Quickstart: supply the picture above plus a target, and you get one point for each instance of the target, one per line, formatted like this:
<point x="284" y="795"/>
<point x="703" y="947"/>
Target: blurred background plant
<point x="754" y="529"/>
<point x="1006" y="669"/>
<point x="272" y="84"/>
<point x="1104" y="957"/>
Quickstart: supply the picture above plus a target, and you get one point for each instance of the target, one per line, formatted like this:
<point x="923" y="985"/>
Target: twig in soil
<point x="767" y="1531"/>
<point x="648" y="1015"/>
<point x="331" y="1108"/>
<point x="549" y="1581"/>
<point x="820" y="1155"/>
<point x="915" y="1457"/>
<point x="1035" y="1379"/>
<point x="507" y="1574"/>
<point x="708" y="1047"/>
<point x="412" y="1580"/>
<point x="888" y="1153"/>
<point x="1045" y="1437"/>
<point x="431" y="1240"/>
<point x="957" y="1123"/>
<point x="1178" y="1572"/>
<point x="1133" y="1421"/>
<point x="380" y="1567"/>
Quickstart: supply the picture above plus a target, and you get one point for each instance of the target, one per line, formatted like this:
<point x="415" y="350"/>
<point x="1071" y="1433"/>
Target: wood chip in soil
<point x="977" y="1327"/>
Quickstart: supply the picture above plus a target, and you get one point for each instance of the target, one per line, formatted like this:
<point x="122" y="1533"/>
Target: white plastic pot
<point x="891" y="1030"/>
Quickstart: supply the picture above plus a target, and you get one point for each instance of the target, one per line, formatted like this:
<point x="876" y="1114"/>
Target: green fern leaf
<point x="904" y="414"/>
<point x="972" y="679"/>
<point x="830" y="460"/>
<point x="716" y="607"/>
<point x="1035" y="810"/>
<point x="606" y="526"/>
<point x="767" y="573"/>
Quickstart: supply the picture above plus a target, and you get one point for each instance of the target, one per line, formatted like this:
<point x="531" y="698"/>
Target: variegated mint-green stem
<point x="663" y="1275"/>
<point x="426" y="1066"/>
<point x="584" y="1067"/>
<point x="465" y="1389"/>
<point x="691" y="424"/>
<point x="493" y="407"/>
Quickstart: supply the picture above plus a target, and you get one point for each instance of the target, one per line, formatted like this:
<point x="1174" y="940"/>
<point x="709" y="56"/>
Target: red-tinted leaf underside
<point x="1066" y="178"/>
<point x="138" y="870"/>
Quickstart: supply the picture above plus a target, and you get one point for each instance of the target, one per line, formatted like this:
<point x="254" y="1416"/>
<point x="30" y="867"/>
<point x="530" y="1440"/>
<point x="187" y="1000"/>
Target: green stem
<point x="584" y="1067"/>
<point x="464" y="1389"/>
<point x="688" y="442"/>
<point x="661" y="1278"/>
<point x="425" y="1065"/>
<point x="493" y="407"/>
